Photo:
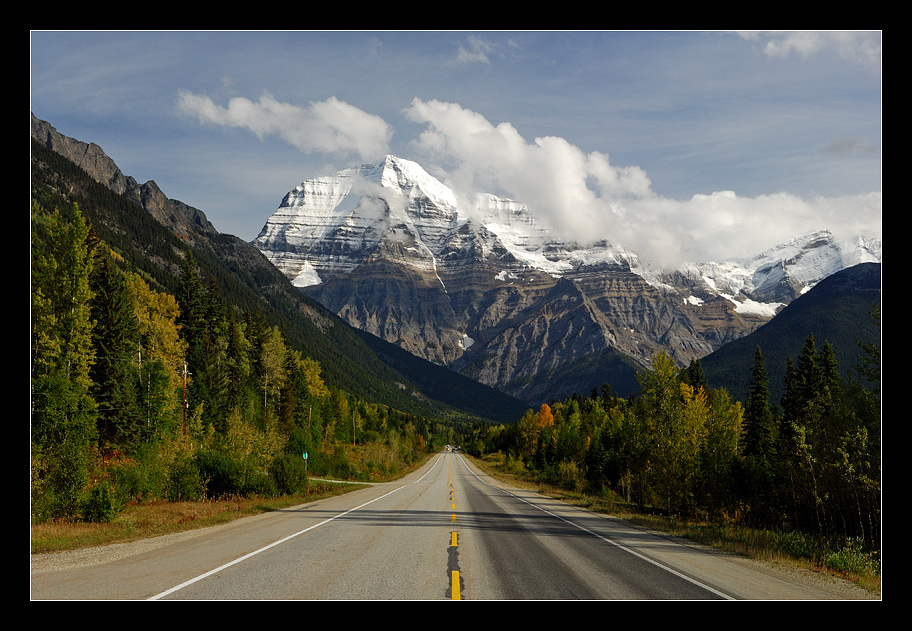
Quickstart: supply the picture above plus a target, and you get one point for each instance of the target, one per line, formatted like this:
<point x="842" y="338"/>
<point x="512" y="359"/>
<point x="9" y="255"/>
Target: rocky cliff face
<point x="490" y="295"/>
<point x="103" y="170"/>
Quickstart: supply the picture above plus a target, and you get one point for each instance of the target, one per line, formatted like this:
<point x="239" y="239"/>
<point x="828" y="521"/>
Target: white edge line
<point x="275" y="543"/>
<point x="606" y="539"/>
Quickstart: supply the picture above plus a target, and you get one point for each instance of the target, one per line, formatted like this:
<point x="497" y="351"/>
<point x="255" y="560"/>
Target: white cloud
<point x="331" y="126"/>
<point x="476" y="50"/>
<point x="480" y="50"/>
<point x="581" y="196"/>
<point x="860" y="46"/>
<point x="584" y="197"/>
<point x="572" y="190"/>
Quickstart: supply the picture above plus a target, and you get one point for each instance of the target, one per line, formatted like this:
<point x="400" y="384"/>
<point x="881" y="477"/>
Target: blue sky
<point x="676" y="144"/>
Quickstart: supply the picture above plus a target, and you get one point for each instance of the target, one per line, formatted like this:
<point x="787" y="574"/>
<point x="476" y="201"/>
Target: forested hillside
<point x="806" y="467"/>
<point x="165" y="367"/>
<point x="836" y="310"/>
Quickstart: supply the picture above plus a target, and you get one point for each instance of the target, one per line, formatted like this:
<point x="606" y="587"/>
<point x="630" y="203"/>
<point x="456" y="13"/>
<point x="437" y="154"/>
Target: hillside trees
<point x="671" y="446"/>
<point x="829" y="476"/>
<point x="812" y="464"/>
<point x="115" y="336"/>
<point x="63" y="409"/>
<point x="111" y="358"/>
<point x="757" y="465"/>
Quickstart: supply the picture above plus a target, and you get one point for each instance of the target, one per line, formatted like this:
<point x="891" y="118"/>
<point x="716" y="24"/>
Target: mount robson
<point x="492" y="295"/>
<point x="379" y="275"/>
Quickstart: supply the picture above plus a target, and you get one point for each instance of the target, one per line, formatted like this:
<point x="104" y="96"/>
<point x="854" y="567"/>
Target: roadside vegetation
<point x="153" y="412"/>
<point x="798" y="481"/>
<point x="141" y="396"/>
<point x="846" y="559"/>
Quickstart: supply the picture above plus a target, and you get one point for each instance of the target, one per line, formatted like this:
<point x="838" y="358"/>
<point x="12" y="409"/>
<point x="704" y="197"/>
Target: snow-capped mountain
<point x="487" y="291"/>
<point x="764" y="283"/>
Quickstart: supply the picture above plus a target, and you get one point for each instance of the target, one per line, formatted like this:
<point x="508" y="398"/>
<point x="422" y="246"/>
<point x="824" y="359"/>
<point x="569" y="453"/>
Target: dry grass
<point x="141" y="521"/>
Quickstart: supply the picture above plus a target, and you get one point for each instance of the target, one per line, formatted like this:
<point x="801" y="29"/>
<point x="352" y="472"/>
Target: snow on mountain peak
<point x="327" y="225"/>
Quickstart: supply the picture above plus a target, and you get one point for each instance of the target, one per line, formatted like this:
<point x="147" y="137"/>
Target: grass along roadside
<point x="145" y="520"/>
<point x="761" y="545"/>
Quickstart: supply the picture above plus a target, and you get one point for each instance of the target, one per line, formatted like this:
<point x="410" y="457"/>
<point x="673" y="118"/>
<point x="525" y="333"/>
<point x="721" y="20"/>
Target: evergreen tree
<point x="63" y="410"/>
<point x="190" y="300"/>
<point x="809" y="375"/>
<point x="760" y="436"/>
<point x="760" y="432"/>
<point x="830" y="381"/>
<point x="115" y="372"/>
<point x="694" y="374"/>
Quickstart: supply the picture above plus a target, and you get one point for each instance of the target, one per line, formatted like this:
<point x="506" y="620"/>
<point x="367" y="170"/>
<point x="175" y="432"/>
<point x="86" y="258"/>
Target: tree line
<point x="139" y="394"/>
<point x="809" y="464"/>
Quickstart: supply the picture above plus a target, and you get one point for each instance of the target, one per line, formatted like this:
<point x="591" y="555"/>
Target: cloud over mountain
<point x="581" y="195"/>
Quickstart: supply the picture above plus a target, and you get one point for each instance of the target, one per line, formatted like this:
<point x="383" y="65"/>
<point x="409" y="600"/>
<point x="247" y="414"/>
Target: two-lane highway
<point x="445" y="532"/>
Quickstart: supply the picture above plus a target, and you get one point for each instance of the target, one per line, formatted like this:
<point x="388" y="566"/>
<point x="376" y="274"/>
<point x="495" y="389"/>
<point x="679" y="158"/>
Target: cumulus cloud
<point x="583" y="196"/>
<point x="331" y="126"/>
<point x="572" y="190"/>
<point x="580" y="196"/>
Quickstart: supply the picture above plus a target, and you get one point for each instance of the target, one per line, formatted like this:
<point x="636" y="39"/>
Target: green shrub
<point x="223" y="476"/>
<point x="796" y="544"/>
<point x="259" y="484"/>
<point x="288" y="474"/>
<point x="184" y="481"/>
<point x="101" y="504"/>
<point x="143" y="477"/>
<point x="340" y="465"/>
<point x="853" y="559"/>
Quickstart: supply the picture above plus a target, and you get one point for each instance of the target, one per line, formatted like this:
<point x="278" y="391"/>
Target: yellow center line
<point x="454" y="576"/>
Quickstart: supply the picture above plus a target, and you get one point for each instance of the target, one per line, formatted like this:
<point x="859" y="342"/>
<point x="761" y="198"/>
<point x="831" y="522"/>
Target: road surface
<point x="445" y="532"/>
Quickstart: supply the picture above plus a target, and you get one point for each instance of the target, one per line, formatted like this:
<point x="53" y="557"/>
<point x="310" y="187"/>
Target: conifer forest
<point x="138" y="393"/>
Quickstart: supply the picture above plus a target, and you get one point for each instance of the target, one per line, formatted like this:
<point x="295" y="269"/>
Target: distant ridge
<point x="836" y="310"/>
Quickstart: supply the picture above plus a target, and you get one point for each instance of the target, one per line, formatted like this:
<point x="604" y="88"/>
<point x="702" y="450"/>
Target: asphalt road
<point x="446" y="532"/>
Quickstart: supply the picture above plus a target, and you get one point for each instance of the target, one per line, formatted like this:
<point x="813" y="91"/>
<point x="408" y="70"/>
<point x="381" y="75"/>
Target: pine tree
<point x="116" y="339"/>
<point x="694" y="375"/>
<point x="190" y="300"/>
<point x="829" y="371"/>
<point x="760" y="436"/>
<point x="192" y="323"/>
<point x="809" y="375"/>
<point x="760" y="432"/>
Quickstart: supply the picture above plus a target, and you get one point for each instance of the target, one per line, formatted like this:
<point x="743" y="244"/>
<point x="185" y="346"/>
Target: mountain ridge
<point x="836" y="310"/>
<point x="154" y="242"/>
<point x="392" y="253"/>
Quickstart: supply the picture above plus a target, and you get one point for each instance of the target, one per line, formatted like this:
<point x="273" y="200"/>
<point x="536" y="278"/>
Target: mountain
<point x="836" y="310"/>
<point x="488" y="292"/>
<point x="153" y="233"/>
